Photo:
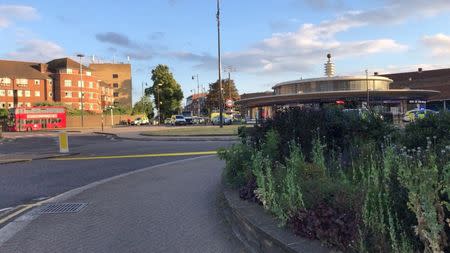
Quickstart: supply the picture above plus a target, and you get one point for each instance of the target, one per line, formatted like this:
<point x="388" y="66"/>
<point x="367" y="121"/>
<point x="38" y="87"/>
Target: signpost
<point x="229" y="103"/>
<point x="63" y="142"/>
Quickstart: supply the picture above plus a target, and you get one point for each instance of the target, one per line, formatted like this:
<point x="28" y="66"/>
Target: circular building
<point x="347" y="91"/>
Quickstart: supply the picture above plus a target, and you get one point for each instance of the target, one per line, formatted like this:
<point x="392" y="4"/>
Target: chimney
<point x="375" y="73"/>
<point x="43" y="67"/>
<point x="419" y="70"/>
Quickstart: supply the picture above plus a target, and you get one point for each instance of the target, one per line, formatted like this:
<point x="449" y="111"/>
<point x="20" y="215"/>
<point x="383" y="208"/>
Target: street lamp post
<point x="219" y="65"/>
<point x="82" y="94"/>
<point x="198" y="92"/>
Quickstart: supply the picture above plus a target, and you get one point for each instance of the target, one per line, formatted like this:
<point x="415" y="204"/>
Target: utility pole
<point x="220" y="65"/>
<point x="81" y="84"/>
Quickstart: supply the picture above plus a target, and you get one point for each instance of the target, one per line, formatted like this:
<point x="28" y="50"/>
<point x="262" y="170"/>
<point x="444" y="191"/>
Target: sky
<point x="264" y="41"/>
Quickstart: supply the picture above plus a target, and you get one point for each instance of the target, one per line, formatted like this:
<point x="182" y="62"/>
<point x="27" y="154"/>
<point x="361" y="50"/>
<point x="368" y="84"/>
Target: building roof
<point x="19" y="69"/>
<point x="415" y="75"/>
<point x="256" y="94"/>
<point x="64" y="63"/>
<point x="197" y="95"/>
<point x="399" y="94"/>
<point x="437" y="79"/>
<point x="334" y="78"/>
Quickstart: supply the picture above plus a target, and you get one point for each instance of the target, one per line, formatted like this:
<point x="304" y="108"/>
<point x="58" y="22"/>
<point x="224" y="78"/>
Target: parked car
<point x="415" y="114"/>
<point x="198" y="120"/>
<point x="140" y="121"/>
<point x="168" y="121"/>
<point x="178" y="120"/>
<point x="226" y="121"/>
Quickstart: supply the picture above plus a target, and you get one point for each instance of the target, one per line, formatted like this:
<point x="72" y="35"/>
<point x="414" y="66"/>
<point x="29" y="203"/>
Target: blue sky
<point x="265" y="41"/>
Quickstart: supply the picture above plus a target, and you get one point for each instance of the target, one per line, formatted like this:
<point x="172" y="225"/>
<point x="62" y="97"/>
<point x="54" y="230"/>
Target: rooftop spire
<point x="329" y="67"/>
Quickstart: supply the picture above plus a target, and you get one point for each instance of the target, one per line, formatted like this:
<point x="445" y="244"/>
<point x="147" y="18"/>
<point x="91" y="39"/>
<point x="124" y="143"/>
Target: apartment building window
<point x="10" y="105"/>
<point x="22" y="81"/>
<point x="2" y="93"/>
<point x="10" y="93"/>
<point x="68" y="94"/>
<point x="91" y="95"/>
<point x="91" y="107"/>
<point x="2" y="105"/>
<point x="115" y="75"/>
<point x="81" y="84"/>
<point x="88" y="73"/>
<point x="115" y="85"/>
<point x="91" y="85"/>
<point x="37" y="93"/>
<point x="69" y="71"/>
<point x="50" y="94"/>
<point x="116" y="94"/>
<point x="19" y="104"/>
<point x="5" y="80"/>
<point x="20" y="93"/>
<point x="27" y="93"/>
<point x="67" y="83"/>
<point x="28" y="104"/>
<point x="37" y="82"/>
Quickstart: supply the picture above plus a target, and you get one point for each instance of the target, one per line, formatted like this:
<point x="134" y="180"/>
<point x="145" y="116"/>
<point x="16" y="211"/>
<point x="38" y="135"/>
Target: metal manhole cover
<point x="63" y="208"/>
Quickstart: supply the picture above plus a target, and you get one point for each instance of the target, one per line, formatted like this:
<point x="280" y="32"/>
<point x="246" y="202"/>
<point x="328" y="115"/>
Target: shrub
<point x="237" y="164"/>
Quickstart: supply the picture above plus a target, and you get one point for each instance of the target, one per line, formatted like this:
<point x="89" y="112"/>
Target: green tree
<point x="229" y="91"/>
<point x="3" y="114"/>
<point x="143" y="106"/>
<point x="170" y="93"/>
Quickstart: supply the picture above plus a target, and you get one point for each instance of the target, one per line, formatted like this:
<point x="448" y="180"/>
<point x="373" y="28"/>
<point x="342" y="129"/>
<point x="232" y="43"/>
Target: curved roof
<point x="334" y="78"/>
<point x="398" y="94"/>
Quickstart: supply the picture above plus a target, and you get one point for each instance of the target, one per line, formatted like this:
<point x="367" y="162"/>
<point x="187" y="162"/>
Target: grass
<point x="195" y="131"/>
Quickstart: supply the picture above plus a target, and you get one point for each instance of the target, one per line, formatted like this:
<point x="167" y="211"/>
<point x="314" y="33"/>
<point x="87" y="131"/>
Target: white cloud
<point x="299" y="51"/>
<point x="304" y="49"/>
<point x="10" y="13"/>
<point x="37" y="50"/>
<point x="439" y="44"/>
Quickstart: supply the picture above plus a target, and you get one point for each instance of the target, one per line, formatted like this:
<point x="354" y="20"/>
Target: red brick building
<point x="70" y="86"/>
<point x="27" y="83"/>
<point x="437" y="79"/>
<point x="24" y="83"/>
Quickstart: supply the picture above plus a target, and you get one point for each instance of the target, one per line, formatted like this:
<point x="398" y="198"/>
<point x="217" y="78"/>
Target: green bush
<point x="356" y="183"/>
<point x="237" y="169"/>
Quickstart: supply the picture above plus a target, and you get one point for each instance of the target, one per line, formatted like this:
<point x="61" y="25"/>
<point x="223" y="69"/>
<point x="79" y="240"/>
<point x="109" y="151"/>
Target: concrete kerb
<point x="259" y="231"/>
<point x="172" y="138"/>
<point x="31" y="158"/>
<point x="20" y="222"/>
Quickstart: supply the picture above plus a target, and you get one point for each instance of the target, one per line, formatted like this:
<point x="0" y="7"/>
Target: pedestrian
<point x="128" y="122"/>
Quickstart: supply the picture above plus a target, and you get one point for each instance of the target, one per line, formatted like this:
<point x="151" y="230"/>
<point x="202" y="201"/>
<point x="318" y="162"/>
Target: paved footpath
<point x="169" y="208"/>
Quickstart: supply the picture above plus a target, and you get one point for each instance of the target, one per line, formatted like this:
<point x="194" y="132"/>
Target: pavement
<point x="171" y="207"/>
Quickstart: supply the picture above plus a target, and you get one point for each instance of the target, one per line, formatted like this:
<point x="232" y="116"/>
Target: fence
<point x="95" y="121"/>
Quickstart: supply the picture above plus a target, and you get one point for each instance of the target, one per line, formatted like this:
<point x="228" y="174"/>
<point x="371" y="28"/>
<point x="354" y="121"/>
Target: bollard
<point x="63" y="142"/>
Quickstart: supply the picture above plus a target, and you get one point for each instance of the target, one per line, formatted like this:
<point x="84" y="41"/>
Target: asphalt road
<point x="21" y="183"/>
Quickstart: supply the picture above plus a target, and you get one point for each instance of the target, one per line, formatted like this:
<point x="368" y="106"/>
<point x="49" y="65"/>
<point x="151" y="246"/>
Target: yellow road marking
<point x="14" y="214"/>
<point x="134" y="156"/>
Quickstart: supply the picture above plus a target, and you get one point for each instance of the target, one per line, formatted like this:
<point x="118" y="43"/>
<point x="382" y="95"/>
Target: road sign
<point x="229" y="103"/>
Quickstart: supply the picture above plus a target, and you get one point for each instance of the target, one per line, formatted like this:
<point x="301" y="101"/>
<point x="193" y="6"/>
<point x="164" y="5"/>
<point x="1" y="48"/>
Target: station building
<point x="349" y="91"/>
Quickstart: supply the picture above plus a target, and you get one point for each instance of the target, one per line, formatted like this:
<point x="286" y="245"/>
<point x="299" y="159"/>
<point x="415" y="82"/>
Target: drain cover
<point x="63" y="208"/>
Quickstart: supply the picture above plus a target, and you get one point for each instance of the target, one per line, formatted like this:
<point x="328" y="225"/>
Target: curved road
<point x="168" y="208"/>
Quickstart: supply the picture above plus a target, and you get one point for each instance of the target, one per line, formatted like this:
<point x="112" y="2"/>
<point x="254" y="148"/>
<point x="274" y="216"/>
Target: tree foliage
<point x="229" y="91"/>
<point x="143" y="106"/>
<point x="170" y="93"/>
